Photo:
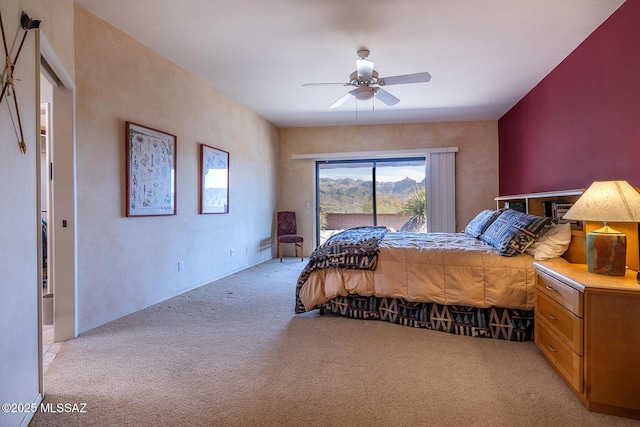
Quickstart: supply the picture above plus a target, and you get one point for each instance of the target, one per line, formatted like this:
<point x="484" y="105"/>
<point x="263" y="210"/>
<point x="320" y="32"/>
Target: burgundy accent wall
<point x="581" y="123"/>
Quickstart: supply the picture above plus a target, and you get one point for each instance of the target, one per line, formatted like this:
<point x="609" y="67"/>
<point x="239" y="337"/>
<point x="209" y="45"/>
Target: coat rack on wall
<point x="8" y="81"/>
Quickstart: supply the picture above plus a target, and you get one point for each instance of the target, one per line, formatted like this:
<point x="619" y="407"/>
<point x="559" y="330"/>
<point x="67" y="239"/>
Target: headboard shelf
<point x="534" y="204"/>
<point x="546" y="194"/>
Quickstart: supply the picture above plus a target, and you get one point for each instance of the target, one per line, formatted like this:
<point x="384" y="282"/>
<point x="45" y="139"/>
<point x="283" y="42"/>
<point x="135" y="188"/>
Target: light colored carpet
<point x="232" y="353"/>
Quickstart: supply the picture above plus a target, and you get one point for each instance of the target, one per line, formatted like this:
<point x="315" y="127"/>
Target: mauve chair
<point x="287" y="232"/>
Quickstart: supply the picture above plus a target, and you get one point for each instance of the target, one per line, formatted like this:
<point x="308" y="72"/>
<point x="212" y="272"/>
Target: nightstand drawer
<point x="560" y="320"/>
<point x="561" y="293"/>
<point x="566" y="362"/>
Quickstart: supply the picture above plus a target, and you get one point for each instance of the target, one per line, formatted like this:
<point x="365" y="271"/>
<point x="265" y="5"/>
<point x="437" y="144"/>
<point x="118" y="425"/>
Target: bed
<point x="479" y="282"/>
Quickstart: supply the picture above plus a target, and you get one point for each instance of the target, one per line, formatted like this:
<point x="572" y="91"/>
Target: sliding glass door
<point x="401" y="195"/>
<point x="388" y="192"/>
<point x="345" y="196"/>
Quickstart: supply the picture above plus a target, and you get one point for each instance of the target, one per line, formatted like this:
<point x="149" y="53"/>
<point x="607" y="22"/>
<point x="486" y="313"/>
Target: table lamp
<point x="607" y="201"/>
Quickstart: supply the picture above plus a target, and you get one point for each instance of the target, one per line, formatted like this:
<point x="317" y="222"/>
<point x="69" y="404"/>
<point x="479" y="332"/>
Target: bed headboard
<point x="538" y="204"/>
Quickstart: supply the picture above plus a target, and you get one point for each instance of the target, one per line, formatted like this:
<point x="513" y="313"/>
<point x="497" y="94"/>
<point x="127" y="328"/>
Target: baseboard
<point x="28" y="415"/>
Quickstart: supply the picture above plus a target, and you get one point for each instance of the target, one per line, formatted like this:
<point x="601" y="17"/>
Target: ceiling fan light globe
<point x="364" y="93"/>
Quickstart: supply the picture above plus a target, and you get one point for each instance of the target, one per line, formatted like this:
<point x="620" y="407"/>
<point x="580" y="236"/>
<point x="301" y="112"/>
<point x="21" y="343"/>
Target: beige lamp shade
<point x="607" y="201"/>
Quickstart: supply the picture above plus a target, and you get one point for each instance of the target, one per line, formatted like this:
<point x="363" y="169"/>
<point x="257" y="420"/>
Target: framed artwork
<point x="214" y="180"/>
<point x="151" y="171"/>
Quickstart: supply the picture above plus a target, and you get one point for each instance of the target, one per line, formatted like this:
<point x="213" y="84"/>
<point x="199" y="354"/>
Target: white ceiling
<point x="484" y="55"/>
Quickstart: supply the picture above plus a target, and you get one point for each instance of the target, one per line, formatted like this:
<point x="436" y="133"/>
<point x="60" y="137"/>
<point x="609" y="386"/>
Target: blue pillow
<point x="481" y="222"/>
<point x="513" y="232"/>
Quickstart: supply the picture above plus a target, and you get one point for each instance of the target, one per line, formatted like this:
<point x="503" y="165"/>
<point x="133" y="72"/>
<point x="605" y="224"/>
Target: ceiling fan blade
<point x="364" y="67"/>
<point x="404" y="79"/>
<point x="386" y="97"/>
<point x="325" y="84"/>
<point x="344" y="98"/>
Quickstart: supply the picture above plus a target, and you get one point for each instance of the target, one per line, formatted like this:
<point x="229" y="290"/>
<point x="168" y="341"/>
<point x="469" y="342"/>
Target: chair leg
<point x="280" y="250"/>
<point x="301" y="251"/>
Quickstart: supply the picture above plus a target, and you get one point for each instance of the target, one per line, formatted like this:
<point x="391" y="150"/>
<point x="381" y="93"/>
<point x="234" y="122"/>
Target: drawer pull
<point x="551" y="316"/>
<point x="550" y="288"/>
<point x="550" y="347"/>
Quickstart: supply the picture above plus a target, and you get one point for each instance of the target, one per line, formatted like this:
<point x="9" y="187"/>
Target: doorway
<point x="49" y="348"/>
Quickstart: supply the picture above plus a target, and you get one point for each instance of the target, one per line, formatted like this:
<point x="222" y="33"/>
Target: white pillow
<point x="552" y="244"/>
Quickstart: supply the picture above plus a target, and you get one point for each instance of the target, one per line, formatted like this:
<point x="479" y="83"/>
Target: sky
<point x="383" y="173"/>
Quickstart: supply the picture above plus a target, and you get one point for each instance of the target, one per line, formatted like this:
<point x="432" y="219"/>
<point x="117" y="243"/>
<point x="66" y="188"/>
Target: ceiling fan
<point x="367" y="83"/>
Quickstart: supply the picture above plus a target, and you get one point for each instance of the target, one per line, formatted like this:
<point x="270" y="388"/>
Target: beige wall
<point x="128" y="263"/>
<point x="20" y="225"/>
<point x="476" y="161"/>
<point x="18" y="238"/>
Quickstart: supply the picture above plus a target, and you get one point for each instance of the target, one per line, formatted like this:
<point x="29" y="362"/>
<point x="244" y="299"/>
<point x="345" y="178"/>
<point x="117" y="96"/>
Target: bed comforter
<point x="443" y="268"/>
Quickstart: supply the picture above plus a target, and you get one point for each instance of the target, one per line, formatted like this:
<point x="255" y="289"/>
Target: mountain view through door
<point x="390" y="193"/>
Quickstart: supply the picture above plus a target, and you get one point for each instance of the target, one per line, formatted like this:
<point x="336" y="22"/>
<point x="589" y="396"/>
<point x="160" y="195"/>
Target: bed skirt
<point x="500" y="323"/>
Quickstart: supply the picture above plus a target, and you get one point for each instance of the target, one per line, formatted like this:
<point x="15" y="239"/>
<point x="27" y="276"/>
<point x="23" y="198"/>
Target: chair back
<point x="286" y="223"/>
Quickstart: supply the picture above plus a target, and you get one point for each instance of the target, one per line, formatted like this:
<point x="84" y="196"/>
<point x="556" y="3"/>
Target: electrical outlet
<point x="180" y="265"/>
<point x="246" y="250"/>
<point x="230" y="252"/>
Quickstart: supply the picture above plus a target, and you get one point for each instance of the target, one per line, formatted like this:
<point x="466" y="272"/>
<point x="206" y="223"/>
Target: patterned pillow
<point x="513" y="232"/>
<point x="479" y="224"/>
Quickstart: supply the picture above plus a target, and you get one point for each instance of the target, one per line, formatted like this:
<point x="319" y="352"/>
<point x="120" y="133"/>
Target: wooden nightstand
<point x="588" y="328"/>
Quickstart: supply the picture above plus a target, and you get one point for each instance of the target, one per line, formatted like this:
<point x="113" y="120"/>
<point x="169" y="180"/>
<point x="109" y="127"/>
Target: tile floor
<point x="50" y="349"/>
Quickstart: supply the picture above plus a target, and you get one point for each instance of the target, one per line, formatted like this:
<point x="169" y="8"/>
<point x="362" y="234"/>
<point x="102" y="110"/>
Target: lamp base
<point x="607" y="252"/>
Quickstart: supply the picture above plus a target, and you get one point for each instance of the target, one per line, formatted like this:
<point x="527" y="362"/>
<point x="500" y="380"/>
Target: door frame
<point x="62" y="221"/>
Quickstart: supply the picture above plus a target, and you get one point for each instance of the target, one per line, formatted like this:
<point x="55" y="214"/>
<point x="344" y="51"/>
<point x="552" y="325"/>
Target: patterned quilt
<point x="355" y="249"/>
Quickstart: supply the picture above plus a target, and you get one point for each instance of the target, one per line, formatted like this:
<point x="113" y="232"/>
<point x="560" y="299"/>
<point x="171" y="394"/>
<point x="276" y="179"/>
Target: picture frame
<point x="150" y="171"/>
<point x="214" y="180"/>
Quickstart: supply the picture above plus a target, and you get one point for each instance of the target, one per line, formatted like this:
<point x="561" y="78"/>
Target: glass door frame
<point x="374" y="164"/>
